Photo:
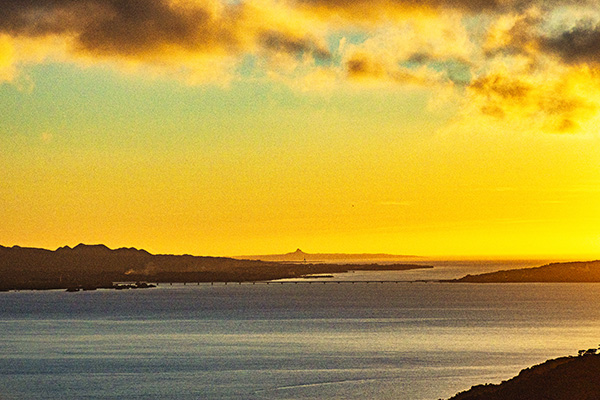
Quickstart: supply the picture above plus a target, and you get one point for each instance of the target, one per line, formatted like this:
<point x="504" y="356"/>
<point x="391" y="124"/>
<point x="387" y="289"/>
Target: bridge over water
<point x="290" y="282"/>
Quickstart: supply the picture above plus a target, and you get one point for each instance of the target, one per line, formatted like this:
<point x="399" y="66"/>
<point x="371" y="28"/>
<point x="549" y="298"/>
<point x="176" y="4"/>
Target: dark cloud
<point x="361" y="66"/>
<point x="501" y="87"/>
<point x="580" y="45"/>
<point x="124" y="27"/>
<point x="558" y="108"/>
<point x="138" y="26"/>
<point x="420" y="58"/>
<point x="142" y="28"/>
<point x="381" y="9"/>
<point x="462" y="5"/>
<point x="282" y="42"/>
<point x="37" y="17"/>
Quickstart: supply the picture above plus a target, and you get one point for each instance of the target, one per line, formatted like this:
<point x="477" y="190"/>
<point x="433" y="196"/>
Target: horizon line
<point x="440" y="257"/>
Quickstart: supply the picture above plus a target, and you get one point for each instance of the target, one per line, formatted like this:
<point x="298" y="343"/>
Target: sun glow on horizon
<point x="210" y="127"/>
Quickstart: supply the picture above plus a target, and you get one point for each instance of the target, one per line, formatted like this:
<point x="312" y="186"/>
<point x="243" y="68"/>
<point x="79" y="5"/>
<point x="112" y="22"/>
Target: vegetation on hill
<point x="566" y="378"/>
<point x="588" y="271"/>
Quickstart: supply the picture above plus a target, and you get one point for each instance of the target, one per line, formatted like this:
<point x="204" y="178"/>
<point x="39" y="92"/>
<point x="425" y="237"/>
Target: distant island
<point x="300" y="256"/>
<point x="582" y="271"/>
<point x="89" y="267"/>
<point x="566" y="378"/>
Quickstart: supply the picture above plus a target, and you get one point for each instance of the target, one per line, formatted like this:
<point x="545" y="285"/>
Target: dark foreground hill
<point x="567" y="378"/>
<point x="96" y="266"/>
<point x="588" y="271"/>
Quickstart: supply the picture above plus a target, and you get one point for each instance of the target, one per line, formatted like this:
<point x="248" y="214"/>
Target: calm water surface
<point x="378" y="341"/>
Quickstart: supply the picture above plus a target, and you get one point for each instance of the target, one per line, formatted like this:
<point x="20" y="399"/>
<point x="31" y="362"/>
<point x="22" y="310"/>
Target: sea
<point x="389" y="335"/>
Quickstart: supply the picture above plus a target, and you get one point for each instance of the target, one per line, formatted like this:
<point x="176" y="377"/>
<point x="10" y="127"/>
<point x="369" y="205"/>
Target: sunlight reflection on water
<point x="402" y="341"/>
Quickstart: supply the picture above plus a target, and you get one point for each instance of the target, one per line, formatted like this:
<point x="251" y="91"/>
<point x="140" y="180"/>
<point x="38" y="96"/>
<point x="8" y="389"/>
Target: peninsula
<point x="583" y="271"/>
<point x="97" y="266"/>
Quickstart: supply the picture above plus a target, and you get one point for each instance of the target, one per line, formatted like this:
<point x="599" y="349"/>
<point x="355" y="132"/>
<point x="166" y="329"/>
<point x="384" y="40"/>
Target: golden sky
<point x="221" y="127"/>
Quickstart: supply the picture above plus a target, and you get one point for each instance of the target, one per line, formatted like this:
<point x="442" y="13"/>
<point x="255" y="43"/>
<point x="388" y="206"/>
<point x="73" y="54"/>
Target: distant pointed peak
<point x="298" y="251"/>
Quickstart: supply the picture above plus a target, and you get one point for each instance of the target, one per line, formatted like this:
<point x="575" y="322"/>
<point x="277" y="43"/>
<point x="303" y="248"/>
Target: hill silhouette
<point x="299" y="255"/>
<point x="98" y="266"/>
<point x="582" y="271"/>
<point x="566" y="378"/>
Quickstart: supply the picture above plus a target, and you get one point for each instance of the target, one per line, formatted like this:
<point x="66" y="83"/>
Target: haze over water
<point x="408" y="341"/>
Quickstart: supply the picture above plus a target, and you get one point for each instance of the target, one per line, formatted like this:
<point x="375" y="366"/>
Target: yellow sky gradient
<point x="222" y="128"/>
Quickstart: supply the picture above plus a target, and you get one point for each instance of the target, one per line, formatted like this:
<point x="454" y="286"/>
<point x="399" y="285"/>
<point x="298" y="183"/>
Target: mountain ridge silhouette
<point x="99" y="266"/>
